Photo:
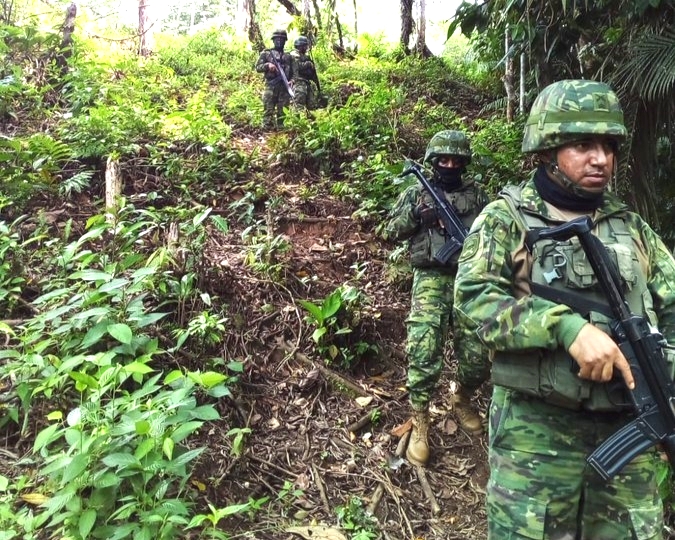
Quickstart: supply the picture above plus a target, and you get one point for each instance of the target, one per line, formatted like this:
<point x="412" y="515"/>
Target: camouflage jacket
<point x="284" y="59"/>
<point x="401" y="224"/>
<point x="304" y="66"/>
<point x="491" y="288"/>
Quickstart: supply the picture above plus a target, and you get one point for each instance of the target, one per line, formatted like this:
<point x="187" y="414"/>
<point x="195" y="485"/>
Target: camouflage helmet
<point x="281" y="33"/>
<point x="302" y="40"/>
<point x="448" y="143"/>
<point x="569" y="110"/>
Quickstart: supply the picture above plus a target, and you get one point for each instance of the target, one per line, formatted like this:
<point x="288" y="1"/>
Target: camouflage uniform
<point x="305" y="73"/>
<point x="275" y="97"/>
<point x="540" y="485"/>
<point x="432" y="289"/>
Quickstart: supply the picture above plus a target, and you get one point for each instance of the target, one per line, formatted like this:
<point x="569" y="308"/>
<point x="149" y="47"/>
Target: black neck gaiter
<point x="449" y="179"/>
<point x="559" y="197"/>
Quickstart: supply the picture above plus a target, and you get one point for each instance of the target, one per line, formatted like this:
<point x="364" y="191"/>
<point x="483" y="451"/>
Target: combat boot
<point x="465" y="413"/>
<point x="418" y="446"/>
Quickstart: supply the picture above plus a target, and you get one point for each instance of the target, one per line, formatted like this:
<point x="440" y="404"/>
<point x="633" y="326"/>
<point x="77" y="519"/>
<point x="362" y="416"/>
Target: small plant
<point x="338" y="314"/>
<point x="353" y="517"/>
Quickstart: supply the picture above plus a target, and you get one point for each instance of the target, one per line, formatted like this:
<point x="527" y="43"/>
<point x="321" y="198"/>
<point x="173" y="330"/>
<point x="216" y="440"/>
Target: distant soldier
<point x="305" y="73"/>
<point x="276" y="96"/>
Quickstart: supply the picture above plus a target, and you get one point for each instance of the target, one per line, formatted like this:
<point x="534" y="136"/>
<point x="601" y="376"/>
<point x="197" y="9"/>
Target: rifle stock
<point x="454" y="227"/>
<point x="653" y="398"/>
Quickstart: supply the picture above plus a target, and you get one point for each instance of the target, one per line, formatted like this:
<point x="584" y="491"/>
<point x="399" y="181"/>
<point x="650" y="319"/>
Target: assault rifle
<point x="282" y="74"/>
<point x="653" y="398"/>
<point x="453" y="226"/>
<point x="321" y="100"/>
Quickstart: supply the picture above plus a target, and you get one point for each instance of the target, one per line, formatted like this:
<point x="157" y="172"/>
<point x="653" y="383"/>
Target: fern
<point x="75" y="183"/>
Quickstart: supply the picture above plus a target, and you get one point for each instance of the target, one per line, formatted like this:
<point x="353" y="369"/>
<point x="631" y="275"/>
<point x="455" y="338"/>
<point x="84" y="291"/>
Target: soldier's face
<point x="278" y="42"/>
<point x="450" y="162"/>
<point x="589" y="163"/>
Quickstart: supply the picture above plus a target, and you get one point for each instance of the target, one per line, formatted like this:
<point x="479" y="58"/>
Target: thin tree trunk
<point x="421" y="45"/>
<point x="509" y="78"/>
<point x="521" y="106"/>
<point x="317" y="14"/>
<point x="144" y="28"/>
<point x="66" y="49"/>
<point x="356" y="29"/>
<point x="252" y="28"/>
<point x="307" y="26"/>
<point x="406" y="23"/>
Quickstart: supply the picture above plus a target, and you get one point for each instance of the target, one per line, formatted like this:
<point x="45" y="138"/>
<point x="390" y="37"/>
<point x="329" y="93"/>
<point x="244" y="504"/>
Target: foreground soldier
<point x="550" y="407"/>
<point x="305" y="73"/>
<point x="275" y="95"/>
<point x="414" y="217"/>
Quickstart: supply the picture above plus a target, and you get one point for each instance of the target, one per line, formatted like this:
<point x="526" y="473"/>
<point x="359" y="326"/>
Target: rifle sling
<point x="575" y="301"/>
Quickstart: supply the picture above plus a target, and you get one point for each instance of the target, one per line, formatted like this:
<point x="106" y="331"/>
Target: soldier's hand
<point x="426" y="215"/>
<point x="598" y="356"/>
<point x="271" y="67"/>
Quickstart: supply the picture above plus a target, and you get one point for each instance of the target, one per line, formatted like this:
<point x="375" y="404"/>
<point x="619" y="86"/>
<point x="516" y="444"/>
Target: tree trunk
<point x="307" y="28"/>
<point x="144" y="28"/>
<point x="509" y="78"/>
<point x="252" y="28"/>
<point x="317" y="14"/>
<point x="421" y="45"/>
<point x="356" y="29"/>
<point x="66" y="49"/>
<point x="406" y="23"/>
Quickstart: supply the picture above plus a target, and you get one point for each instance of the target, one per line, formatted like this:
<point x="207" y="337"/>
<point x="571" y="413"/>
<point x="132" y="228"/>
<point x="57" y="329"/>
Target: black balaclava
<point x="279" y="43"/>
<point x="449" y="178"/>
<point x="552" y="192"/>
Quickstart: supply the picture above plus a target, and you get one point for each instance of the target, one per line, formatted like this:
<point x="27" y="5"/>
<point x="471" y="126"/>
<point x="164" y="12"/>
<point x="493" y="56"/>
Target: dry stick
<point x="422" y="476"/>
<point x="379" y="492"/>
<point x="327" y="373"/>
<point x="322" y="489"/>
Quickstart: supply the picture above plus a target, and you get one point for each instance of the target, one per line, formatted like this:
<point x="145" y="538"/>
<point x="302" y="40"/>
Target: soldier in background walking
<point x="275" y="96"/>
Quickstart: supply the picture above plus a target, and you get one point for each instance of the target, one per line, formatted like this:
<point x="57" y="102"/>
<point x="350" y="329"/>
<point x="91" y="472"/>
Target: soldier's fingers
<point x="626" y="373"/>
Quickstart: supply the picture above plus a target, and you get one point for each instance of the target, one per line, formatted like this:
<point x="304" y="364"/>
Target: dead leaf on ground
<point x="402" y="429"/>
<point x="317" y="533"/>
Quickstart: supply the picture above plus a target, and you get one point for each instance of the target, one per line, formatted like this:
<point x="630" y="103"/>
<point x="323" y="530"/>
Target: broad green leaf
<point x="45" y="437"/>
<point x="94" y="335"/>
<point x="121" y="332"/>
<point x="138" y="367"/>
<point x="76" y="467"/>
<point x="121" y="460"/>
<point x="86" y="522"/>
<point x="212" y="378"/>
<point x="205" y="412"/>
<point x="185" y="429"/>
<point x="187" y="456"/>
<point x="142" y="427"/>
<point x="314" y="310"/>
<point x="91" y="275"/>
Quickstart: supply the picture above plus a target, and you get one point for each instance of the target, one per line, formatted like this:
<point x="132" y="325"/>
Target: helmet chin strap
<point x="564" y="181"/>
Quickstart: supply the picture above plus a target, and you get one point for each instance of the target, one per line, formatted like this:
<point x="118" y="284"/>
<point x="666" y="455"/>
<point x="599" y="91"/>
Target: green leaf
<point x="187" y="457"/>
<point x="318" y="333"/>
<point x="221" y="224"/>
<point x="138" y="367"/>
<point x="314" y="310"/>
<point x="167" y="447"/>
<point x="197" y="220"/>
<point x="121" y="332"/>
<point x="45" y="437"/>
<point x="76" y="467"/>
<point x="121" y="460"/>
<point x="185" y="429"/>
<point x="205" y="412"/>
<point x="91" y="275"/>
<point x="142" y="427"/>
<point x="211" y="378"/>
<point x="86" y="522"/>
<point x="94" y="335"/>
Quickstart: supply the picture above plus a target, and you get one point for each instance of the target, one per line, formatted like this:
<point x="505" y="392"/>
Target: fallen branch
<point x="379" y="491"/>
<point x="322" y="490"/>
<point x="327" y="373"/>
<point x="422" y="476"/>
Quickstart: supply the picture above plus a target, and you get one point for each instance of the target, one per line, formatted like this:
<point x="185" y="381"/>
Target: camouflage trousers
<point x="274" y="99"/>
<point x="304" y="98"/>
<point x="427" y="328"/>
<point x="541" y="487"/>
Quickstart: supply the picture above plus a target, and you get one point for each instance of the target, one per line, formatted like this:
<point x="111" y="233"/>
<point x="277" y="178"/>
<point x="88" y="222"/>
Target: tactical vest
<point x="563" y="266"/>
<point x="427" y="241"/>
